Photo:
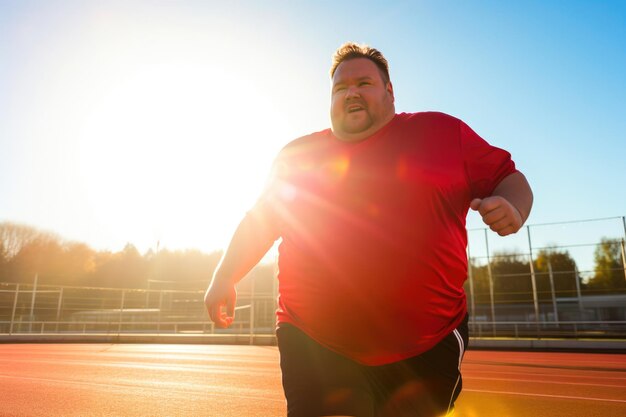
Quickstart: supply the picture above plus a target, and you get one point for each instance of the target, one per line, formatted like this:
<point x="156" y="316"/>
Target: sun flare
<point x="133" y="124"/>
<point x="169" y="151"/>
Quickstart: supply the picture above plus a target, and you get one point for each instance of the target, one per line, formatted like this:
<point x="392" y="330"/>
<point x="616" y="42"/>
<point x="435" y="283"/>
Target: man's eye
<point x="338" y="89"/>
<point x="363" y="83"/>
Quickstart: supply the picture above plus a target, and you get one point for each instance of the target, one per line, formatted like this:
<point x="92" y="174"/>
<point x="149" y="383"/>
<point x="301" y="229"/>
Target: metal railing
<point x="550" y="329"/>
<point x="527" y="298"/>
<point x="25" y="309"/>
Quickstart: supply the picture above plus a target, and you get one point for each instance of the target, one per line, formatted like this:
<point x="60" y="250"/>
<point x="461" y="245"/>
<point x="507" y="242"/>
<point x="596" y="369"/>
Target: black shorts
<point x="320" y="382"/>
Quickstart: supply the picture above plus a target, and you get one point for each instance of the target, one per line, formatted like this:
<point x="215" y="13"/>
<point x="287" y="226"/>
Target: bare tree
<point x="14" y="236"/>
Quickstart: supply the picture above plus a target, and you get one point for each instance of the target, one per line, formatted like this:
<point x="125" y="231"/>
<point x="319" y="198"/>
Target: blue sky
<point x="149" y="121"/>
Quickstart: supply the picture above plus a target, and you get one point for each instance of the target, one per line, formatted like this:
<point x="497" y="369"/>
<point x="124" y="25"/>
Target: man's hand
<point x="220" y="296"/>
<point x="497" y="213"/>
<point x="252" y="239"/>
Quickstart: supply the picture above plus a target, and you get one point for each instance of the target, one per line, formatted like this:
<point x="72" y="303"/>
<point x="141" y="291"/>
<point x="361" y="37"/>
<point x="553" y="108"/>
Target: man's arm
<point x="251" y="241"/>
<point x="508" y="207"/>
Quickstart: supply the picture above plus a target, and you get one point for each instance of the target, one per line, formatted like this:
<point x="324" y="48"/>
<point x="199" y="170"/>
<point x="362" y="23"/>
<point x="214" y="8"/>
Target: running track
<point x="216" y="380"/>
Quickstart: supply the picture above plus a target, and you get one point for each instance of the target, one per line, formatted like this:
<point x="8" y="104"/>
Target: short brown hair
<point x="351" y="50"/>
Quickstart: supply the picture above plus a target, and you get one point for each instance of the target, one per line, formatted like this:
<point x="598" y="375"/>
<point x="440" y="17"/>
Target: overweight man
<point x="371" y="212"/>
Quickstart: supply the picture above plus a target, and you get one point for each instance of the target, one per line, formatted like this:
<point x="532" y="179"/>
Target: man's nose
<point x="352" y="92"/>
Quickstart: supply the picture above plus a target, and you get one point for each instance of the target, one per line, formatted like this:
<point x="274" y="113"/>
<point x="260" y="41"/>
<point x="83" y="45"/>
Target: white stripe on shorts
<point x="459" y="339"/>
<point x="461" y="345"/>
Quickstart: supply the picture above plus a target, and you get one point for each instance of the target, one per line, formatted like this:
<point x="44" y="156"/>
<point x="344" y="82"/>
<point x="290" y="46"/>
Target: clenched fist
<point x="220" y="300"/>
<point x="497" y="213"/>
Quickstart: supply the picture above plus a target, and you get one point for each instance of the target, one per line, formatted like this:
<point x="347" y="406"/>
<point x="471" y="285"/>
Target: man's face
<point x="361" y="101"/>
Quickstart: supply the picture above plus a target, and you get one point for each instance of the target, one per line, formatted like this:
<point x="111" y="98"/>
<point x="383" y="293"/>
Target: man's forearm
<point x="250" y="242"/>
<point x="516" y="190"/>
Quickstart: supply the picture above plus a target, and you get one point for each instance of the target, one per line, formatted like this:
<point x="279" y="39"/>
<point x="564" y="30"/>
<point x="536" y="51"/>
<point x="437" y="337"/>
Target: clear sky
<point x="146" y="121"/>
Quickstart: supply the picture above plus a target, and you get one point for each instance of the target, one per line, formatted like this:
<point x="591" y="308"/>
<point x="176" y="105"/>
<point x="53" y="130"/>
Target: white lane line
<point x="125" y="387"/>
<point x="196" y="358"/>
<point x="469" y="373"/>
<point x="535" y="381"/>
<point x="216" y="369"/>
<point x="545" y="365"/>
<point x="547" y="356"/>
<point x="551" y="361"/>
<point x="528" y="394"/>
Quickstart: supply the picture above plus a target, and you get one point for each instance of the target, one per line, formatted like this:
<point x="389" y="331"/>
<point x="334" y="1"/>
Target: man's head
<point x="362" y="99"/>
<point x="350" y="50"/>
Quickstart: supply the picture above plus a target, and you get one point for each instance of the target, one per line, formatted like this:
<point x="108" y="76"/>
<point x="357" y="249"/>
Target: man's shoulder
<point x="428" y="117"/>
<point x="305" y="143"/>
<point x="311" y="137"/>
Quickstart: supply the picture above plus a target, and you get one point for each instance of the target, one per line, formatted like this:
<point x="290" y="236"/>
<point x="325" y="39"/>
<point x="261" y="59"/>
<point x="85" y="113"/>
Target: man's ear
<point x="389" y="89"/>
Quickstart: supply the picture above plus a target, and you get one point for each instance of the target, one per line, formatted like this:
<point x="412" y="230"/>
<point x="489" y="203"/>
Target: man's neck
<point x="360" y="136"/>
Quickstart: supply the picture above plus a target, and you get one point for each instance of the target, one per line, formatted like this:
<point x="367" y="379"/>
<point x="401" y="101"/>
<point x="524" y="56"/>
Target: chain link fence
<point x="534" y="284"/>
<point x="27" y="308"/>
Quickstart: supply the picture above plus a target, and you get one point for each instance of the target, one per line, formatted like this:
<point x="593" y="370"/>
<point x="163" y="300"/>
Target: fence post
<point x="623" y="257"/>
<point x="17" y="292"/>
<point x="119" y="324"/>
<point x="554" y="307"/>
<point x="32" y="305"/>
<point x="59" y="309"/>
<point x="491" y="296"/>
<point x="533" y="278"/>
<point x="579" y="295"/>
<point x="160" y="309"/>
<point x="253" y="278"/>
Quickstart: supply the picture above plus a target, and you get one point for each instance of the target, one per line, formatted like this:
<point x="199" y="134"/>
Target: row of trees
<point x="555" y="271"/>
<point x="26" y="251"/>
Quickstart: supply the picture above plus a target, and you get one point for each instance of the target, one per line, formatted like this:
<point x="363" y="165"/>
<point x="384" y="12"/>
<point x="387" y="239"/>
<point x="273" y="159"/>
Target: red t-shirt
<point x="373" y="254"/>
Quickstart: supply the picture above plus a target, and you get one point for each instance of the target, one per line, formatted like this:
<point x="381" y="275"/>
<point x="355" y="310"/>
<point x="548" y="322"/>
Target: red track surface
<point x="216" y="380"/>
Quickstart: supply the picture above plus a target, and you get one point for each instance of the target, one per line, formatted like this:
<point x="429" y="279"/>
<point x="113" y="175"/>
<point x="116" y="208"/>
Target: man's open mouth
<point x="353" y="109"/>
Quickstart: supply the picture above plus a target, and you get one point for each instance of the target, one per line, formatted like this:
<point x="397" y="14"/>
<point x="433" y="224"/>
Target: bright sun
<point x="177" y="153"/>
<point x="157" y="125"/>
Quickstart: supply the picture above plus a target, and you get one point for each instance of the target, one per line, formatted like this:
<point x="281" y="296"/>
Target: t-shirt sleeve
<point x="485" y="165"/>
